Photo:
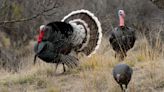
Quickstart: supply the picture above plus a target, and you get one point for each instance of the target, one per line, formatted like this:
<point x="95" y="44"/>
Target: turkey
<point x="122" y="38"/>
<point x="122" y="74"/>
<point x="79" y="31"/>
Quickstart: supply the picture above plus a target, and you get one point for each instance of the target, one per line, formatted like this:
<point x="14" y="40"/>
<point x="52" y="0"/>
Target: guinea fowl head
<point x="118" y="77"/>
<point x="121" y="15"/>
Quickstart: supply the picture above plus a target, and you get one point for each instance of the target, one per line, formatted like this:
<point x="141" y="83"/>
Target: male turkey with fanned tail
<point x="79" y="31"/>
<point x="122" y="38"/>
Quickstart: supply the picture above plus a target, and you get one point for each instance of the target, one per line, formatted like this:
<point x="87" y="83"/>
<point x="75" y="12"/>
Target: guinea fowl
<point x="79" y="31"/>
<point x="122" y="73"/>
<point x="122" y="38"/>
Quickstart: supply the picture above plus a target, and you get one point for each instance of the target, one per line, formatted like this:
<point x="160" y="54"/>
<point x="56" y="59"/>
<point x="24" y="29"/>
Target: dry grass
<point x="93" y="75"/>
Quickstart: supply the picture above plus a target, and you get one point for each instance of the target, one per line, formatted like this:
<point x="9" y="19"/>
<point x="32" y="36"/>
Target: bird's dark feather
<point x="122" y="39"/>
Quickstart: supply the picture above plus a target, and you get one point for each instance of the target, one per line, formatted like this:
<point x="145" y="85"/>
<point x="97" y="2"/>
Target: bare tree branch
<point x="50" y="14"/>
<point x="33" y="17"/>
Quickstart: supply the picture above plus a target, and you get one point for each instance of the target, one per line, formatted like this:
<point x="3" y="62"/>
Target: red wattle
<point x="40" y="37"/>
<point x="122" y="21"/>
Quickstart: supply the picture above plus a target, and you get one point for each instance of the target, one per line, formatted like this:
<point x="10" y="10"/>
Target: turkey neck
<point x="40" y="37"/>
<point x="122" y="22"/>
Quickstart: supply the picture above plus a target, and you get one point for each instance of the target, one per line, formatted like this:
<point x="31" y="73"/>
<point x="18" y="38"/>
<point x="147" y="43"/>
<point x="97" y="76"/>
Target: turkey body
<point x="122" y="39"/>
<point x="56" y="44"/>
<point x="59" y="34"/>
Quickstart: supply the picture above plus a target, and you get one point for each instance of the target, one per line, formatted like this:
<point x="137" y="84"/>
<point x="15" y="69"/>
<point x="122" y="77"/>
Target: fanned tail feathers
<point x="88" y="31"/>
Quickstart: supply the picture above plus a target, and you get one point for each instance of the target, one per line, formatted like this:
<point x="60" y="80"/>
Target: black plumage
<point x="79" y="31"/>
<point x="56" y="45"/>
<point x="122" y="74"/>
<point x="122" y="39"/>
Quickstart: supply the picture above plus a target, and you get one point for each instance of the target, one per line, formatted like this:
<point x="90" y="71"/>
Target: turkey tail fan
<point x="69" y="60"/>
<point x="92" y="27"/>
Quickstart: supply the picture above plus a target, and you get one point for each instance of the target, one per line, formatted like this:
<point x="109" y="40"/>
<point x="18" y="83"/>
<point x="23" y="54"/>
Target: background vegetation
<point x="20" y="20"/>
